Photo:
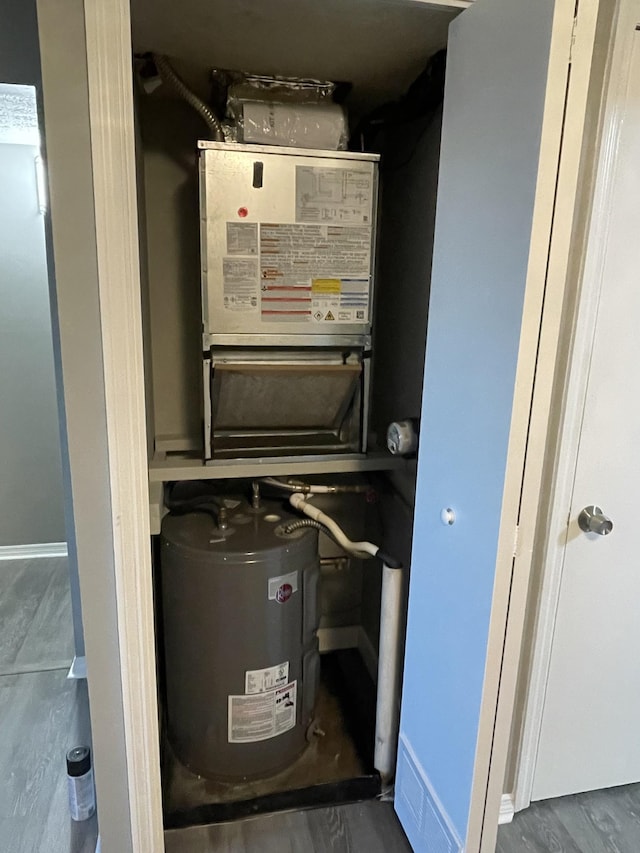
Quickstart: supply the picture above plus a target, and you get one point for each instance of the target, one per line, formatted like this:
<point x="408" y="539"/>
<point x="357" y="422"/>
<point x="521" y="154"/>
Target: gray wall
<point x="19" y="62"/>
<point x="408" y="182"/>
<point x="31" y="483"/>
<point x="169" y="131"/>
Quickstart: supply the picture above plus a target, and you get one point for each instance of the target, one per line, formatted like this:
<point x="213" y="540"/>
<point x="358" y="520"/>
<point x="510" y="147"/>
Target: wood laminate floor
<point x="42" y="713"/>
<point x="594" y="822"/>
<point x="36" y="629"/>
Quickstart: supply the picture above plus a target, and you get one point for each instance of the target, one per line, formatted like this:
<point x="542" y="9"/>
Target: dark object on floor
<point x="43" y="714"/>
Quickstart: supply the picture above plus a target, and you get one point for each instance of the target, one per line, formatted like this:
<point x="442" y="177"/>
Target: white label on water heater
<point x="261" y="680"/>
<point x="286" y="707"/>
<point x="262" y="715"/>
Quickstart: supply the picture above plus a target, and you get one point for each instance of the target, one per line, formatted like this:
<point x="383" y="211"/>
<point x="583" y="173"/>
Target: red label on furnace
<point x="284" y="593"/>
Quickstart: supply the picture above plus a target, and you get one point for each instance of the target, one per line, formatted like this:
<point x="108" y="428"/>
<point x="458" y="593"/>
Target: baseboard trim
<point x="334" y="639"/>
<point x="78" y="668"/>
<point x="33" y="668"/>
<point x="507" y="809"/>
<point x="416" y="797"/>
<point x="350" y="637"/>
<point x="30" y="552"/>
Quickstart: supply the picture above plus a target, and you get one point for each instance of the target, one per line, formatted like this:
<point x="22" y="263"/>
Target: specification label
<point x="328" y="194"/>
<point x="242" y="238"/>
<point x="240" y="284"/>
<point x="262" y="716"/>
<point x="261" y="680"/>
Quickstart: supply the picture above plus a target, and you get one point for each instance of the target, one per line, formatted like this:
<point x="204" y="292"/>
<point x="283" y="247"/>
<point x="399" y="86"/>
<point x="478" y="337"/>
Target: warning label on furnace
<point x="337" y="195"/>
<point x="261" y="680"/>
<point x="262" y="716"/>
<point x="318" y="273"/>
<point x="240" y="284"/>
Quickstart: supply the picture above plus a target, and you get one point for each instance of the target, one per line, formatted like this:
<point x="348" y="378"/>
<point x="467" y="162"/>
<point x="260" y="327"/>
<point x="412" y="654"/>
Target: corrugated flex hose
<point x="309" y="522"/>
<point x="168" y="75"/>
<point x="306" y="522"/>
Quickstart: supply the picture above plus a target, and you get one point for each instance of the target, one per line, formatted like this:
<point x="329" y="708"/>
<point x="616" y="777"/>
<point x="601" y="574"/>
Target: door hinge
<point x="516" y="536"/>
<point x="573" y="38"/>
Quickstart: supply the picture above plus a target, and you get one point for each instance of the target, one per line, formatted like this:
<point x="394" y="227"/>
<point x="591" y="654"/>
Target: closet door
<point x="494" y="157"/>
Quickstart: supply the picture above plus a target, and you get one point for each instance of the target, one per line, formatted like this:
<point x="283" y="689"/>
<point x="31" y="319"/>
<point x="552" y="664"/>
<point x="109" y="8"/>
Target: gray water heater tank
<point x="240" y="619"/>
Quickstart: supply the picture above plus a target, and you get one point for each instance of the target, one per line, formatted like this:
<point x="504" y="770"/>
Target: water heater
<point x="240" y="620"/>
<point x="287" y="248"/>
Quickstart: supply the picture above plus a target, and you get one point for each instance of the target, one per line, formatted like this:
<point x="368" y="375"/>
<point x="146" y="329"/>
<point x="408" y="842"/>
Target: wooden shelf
<point x="188" y="466"/>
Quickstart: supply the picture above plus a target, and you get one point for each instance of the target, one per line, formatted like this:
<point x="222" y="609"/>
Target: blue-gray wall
<point x="20" y="65"/>
<point x="31" y="494"/>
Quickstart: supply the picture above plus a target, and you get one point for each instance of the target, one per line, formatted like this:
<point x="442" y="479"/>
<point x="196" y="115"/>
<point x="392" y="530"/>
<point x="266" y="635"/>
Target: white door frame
<point x="111" y="112"/>
<point x="574" y="381"/>
<point x="112" y="147"/>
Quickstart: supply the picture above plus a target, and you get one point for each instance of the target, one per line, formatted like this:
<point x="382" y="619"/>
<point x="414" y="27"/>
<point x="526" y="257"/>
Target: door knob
<point x="593" y="520"/>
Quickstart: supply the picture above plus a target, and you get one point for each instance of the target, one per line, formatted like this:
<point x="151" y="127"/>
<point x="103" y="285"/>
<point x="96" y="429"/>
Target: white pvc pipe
<point x="367" y="549"/>
<point x="388" y="688"/>
<point x="387" y="699"/>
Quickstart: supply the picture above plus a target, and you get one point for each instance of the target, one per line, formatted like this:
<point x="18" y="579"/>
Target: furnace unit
<point x="288" y="246"/>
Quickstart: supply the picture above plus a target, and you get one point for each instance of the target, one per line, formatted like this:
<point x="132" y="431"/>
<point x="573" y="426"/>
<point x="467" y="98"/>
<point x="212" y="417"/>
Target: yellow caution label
<point x="326" y="285"/>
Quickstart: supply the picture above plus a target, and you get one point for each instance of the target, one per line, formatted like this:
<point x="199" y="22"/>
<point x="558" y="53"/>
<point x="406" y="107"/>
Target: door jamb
<point x="582" y="326"/>
<point x="111" y="115"/>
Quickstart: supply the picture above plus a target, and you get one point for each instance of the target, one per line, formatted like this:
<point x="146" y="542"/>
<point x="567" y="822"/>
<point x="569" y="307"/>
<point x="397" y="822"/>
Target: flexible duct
<point x="169" y="76"/>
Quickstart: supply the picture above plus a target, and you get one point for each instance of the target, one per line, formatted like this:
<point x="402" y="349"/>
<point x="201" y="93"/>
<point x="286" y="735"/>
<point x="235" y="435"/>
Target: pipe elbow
<point x="297" y="500"/>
